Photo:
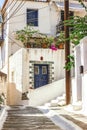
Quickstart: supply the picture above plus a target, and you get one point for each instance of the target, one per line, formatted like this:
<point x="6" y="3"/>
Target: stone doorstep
<point x="3" y="116"/>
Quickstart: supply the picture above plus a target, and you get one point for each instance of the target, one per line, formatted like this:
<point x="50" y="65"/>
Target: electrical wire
<point x="12" y="40"/>
<point x="32" y="20"/>
<point x="16" y="10"/>
<point x="3" y="12"/>
<point x="6" y="15"/>
<point x="13" y="5"/>
<point x="30" y="11"/>
<point x="24" y="13"/>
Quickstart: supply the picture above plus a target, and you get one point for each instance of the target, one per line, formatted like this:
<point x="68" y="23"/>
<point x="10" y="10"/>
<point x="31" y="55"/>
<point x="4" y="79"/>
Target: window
<point x="12" y="76"/>
<point x="32" y="17"/>
<point x="36" y="70"/>
<point x="44" y="70"/>
<point x="62" y="17"/>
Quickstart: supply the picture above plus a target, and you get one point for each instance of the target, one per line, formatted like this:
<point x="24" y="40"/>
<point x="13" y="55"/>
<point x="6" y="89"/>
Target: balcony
<point x="60" y="27"/>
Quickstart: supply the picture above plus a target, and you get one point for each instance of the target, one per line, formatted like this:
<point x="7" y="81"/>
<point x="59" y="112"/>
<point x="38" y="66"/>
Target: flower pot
<point x="44" y="45"/>
<point x="28" y="46"/>
<point x="61" y="46"/>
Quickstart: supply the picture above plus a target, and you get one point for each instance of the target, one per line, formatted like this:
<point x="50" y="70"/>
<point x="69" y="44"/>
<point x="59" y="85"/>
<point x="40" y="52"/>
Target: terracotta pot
<point x="28" y="46"/>
<point x="61" y="46"/>
<point x="44" y="46"/>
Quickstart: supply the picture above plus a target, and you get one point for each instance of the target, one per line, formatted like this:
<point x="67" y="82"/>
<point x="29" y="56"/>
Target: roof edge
<point x="5" y="2"/>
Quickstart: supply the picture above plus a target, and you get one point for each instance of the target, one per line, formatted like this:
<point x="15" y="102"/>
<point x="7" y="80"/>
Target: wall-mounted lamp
<point x="41" y="58"/>
<point x="81" y="69"/>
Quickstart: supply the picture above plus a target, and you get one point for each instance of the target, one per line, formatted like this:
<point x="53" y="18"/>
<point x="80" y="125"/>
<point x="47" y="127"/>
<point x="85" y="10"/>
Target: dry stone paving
<point x="27" y="118"/>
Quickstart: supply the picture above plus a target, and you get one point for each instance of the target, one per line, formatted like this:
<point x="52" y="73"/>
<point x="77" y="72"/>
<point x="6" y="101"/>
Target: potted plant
<point x="60" y="41"/>
<point x="25" y="35"/>
<point x="47" y="41"/>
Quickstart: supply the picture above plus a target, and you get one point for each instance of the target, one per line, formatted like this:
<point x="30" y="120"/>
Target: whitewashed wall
<point x="83" y="45"/>
<point x="78" y="78"/>
<point x="19" y="64"/>
<point x="15" y="78"/>
<point x="0" y="59"/>
<point x="79" y="88"/>
<point x="47" y="16"/>
<point x="47" y="20"/>
<point x="46" y="93"/>
<point x="48" y="55"/>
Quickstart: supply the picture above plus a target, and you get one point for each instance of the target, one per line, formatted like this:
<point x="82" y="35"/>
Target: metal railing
<point x="59" y="27"/>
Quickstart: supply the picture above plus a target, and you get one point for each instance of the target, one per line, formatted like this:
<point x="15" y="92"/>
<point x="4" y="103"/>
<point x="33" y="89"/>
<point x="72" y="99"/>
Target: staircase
<point x="27" y="118"/>
<point x="59" y="101"/>
<point x="46" y="93"/>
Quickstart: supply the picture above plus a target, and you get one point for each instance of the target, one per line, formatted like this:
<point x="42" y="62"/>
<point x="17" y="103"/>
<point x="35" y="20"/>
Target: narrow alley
<point x="27" y="118"/>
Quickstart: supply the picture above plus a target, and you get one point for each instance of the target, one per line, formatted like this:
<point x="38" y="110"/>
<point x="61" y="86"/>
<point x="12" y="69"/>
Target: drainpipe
<point x="67" y="52"/>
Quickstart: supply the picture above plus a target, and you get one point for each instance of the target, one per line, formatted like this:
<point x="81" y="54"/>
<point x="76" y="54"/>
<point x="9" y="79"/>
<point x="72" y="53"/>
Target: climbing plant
<point x="79" y="25"/>
<point x="78" y="30"/>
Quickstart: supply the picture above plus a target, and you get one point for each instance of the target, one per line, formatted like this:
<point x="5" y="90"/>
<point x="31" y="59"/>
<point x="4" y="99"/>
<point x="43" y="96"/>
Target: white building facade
<point x="19" y="64"/>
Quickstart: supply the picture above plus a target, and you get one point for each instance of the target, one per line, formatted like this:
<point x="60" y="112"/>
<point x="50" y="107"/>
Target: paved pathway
<point x="27" y="118"/>
<point x="77" y="117"/>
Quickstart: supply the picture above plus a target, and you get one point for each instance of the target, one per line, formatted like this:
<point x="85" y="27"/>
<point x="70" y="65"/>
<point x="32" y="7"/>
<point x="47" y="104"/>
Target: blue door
<point x="40" y="75"/>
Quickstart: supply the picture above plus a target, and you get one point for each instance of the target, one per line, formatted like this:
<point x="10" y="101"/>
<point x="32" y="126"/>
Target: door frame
<point x="31" y="71"/>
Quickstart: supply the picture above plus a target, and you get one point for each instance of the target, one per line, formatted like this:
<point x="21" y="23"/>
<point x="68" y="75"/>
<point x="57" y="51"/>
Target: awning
<point x="72" y="6"/>
<point x="3" y="74"/>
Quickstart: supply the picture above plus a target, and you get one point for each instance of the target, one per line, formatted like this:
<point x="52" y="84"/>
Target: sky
<point x="1" y="2"/>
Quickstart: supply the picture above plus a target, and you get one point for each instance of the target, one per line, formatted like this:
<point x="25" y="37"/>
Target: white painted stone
<point x="54" y="103"/>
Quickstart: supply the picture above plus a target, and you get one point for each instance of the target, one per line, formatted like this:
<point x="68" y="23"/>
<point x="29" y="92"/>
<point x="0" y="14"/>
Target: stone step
<point x="28" y="119"/>
<point x="26" y="126"/>
<point x="59" y="101"/>
<point x="31" y="128"/>
<point x="77" y="106"/>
